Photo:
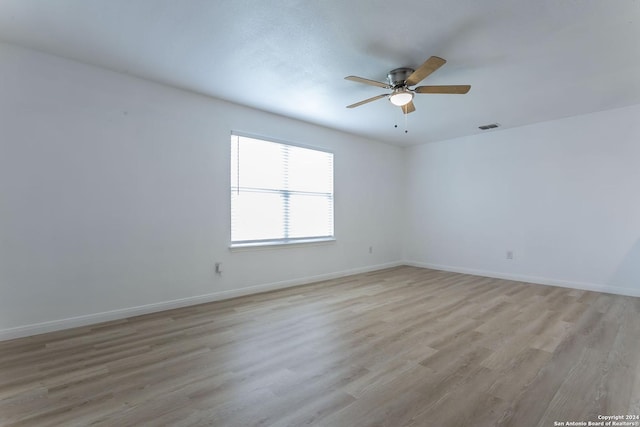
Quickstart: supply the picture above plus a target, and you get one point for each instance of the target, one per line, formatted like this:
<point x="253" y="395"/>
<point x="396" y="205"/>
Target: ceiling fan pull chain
<point x="405" y="123"/>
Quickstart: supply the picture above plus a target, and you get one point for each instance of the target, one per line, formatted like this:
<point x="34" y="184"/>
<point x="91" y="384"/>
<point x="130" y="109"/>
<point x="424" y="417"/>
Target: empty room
<point x="319" y="213"/>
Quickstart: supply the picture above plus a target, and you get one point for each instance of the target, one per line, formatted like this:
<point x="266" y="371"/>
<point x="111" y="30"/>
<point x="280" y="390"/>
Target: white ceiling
<point x="527" y="61"/>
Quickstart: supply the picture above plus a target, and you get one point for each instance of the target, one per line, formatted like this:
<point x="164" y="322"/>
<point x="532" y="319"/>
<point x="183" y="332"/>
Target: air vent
<point x="491" y="126"/>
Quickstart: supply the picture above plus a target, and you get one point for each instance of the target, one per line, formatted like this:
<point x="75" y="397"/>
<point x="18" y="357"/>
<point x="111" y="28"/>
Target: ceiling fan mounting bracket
<point x="398" y="76"/>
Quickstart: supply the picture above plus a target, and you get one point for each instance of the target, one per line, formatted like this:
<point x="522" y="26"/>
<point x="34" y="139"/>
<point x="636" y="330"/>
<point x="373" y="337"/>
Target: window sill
<point x="240" y="247"/>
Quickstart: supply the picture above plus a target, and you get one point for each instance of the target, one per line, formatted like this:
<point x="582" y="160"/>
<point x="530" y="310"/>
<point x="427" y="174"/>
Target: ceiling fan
<point x="399" y="81"/>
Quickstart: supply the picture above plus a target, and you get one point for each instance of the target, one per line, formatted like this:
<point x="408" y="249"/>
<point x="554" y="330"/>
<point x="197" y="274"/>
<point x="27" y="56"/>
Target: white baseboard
<point x="530" y="279"/>
<point x="91" y="319"/>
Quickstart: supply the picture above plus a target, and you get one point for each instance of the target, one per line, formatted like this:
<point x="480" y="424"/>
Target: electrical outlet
<point x="509" y="254"/>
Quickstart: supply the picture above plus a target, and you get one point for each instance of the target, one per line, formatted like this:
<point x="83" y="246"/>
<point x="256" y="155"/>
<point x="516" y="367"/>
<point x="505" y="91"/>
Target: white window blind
<point x="280" y="193"/>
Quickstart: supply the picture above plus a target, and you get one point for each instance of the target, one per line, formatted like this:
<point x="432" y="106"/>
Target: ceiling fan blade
<point x="429" y="66"/>
<point x="357" y="104"/>
<point x="408" y="108"/>
<point x="367" y="81"/>
<point x="455" y="89"/>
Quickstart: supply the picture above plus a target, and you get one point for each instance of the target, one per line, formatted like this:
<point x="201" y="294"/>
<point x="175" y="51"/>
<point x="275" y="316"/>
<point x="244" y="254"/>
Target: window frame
<point x="285" y="242"/>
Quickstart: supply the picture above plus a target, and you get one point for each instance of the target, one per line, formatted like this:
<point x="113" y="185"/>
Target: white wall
<point x="114" y="194"/>
<point x="563" y="195"/>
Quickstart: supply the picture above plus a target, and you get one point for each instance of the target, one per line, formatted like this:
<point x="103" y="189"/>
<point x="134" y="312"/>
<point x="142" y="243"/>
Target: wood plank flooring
<point x="399" y="347"/>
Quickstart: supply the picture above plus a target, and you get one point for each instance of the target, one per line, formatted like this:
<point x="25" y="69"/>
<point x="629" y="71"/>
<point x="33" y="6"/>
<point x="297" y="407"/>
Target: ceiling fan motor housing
<point x="398" y="76"/>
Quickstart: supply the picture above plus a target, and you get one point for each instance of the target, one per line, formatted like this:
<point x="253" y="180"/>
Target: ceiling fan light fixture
<point x="401" y="97"/>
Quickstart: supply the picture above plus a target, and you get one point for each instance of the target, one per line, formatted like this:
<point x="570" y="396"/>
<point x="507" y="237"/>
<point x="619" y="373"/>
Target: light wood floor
<point x="399" y="347"/>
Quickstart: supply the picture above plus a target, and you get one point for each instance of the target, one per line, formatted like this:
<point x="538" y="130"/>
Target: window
<point x="280" y="193"/>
